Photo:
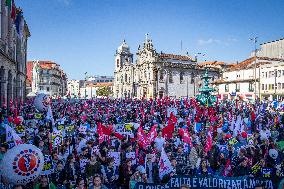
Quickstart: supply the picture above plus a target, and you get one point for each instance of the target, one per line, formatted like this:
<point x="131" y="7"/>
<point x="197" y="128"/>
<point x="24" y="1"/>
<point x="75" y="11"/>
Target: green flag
<point x="9" y="4"/>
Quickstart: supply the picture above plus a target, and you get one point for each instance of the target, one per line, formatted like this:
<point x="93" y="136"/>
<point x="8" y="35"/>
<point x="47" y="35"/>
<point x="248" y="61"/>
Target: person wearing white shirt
<point x="159" y="141"/>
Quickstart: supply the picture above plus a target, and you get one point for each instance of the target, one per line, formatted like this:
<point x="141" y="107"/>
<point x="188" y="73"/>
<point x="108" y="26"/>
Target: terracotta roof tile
<point x="213" y="63"/>
<point x="248" y="62"/>
<point x="175" y="57"/>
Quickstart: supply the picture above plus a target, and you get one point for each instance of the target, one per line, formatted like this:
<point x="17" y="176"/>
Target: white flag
<point x="165" y="166"/>
<point x="49" y="115"/>
<point x="12" y="136"/>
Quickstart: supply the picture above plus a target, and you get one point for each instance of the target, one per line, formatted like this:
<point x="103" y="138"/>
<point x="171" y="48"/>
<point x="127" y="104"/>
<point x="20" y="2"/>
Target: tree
<point x="104" y="91"/>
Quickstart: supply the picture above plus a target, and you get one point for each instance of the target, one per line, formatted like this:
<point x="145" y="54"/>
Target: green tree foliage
<point x="104" y="91"/>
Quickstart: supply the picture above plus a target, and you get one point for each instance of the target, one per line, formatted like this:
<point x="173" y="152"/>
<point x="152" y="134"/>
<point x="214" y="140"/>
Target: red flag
<point x="253" y="116"/>
<point x="104" y="133"/>
<point x="185" y="136"/>
<point x="145" y="140"/>
<point x="167" y="132"/>
<point x="141" y="137"/>
<point x="13" y="10"/>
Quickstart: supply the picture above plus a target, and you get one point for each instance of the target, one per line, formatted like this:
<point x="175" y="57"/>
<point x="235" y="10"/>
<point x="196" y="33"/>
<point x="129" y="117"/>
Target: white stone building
<point x="14" y="34"/>
<point x="156" y="74"/>
<point x="240" y="79"/>
<point x="272" y="49"/>
<point x="47" y="77"/>
<point x="272" y="80"/>
<point x="73" y="88"/>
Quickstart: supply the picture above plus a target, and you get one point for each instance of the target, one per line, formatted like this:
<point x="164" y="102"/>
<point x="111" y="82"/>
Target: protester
<point x="115" y="143"/>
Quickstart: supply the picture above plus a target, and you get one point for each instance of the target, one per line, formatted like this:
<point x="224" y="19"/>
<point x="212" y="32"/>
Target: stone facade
<point x="47" y="77"/>
<point x="156" y="74"/>
<point x="13" y="55"/>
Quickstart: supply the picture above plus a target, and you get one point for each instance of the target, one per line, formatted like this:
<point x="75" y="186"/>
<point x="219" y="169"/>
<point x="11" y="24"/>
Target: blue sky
<point x="82" y="35"/>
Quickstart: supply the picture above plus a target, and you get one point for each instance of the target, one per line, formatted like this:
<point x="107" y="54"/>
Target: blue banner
<point x="214" y="182"/>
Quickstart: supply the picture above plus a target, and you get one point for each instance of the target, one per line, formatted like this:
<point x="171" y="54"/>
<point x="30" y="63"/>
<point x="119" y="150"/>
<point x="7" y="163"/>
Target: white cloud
<point x="65" y="2"/>
<point x="208" y="41"/>
<point x="232" y="39"/>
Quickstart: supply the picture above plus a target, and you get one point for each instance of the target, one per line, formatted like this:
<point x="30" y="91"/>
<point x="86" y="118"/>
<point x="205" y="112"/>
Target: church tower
<point x="122" y="56"/>
<point x="123" y="60"/>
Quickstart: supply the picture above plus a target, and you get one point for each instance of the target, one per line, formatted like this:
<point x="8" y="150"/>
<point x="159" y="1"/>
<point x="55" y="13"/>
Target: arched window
<point x="181" y="77"/>
<point x="170" y="77"/>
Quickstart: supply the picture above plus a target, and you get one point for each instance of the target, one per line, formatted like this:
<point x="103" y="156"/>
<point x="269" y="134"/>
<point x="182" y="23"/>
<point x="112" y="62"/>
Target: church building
<point x="156" y="75"/>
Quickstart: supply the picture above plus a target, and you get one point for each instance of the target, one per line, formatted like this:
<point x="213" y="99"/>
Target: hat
<point x="244" y="134"/>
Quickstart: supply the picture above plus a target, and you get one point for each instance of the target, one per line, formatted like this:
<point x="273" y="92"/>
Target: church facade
<point x="156" y="75"/>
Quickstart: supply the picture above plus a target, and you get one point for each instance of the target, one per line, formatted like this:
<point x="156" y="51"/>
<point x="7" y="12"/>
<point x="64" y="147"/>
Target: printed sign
<point x="47" y="167"/>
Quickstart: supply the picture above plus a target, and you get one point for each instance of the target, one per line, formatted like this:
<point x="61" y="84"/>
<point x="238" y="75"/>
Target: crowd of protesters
<point x="231" y="138"/>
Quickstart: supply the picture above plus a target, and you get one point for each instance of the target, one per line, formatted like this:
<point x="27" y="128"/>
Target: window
<point x="265" y="86"/>
<point x="283" y="72"/>
<point x="170" y="77"/>
<point x="41" y="88"/>
<point x="47" y="88"/>
<point x="279" y="73"/>
<point x="125" y="78"/>
<point x="269" y="87"/>
<point x="275" y="72"/>
<point x="282" y="85"/>
<point x="226" y="88"/>
<point x="181" y="77"/>
<point x="266" y="74"/>
<point x="117" y="63"/>
<point x="237" y="87"/>
<point x="192" y="78"/>
<point x="261" y="87"/>
<point x="161" y="75"/>
<point x="279" y="86"/>
<point x="272" y="86"/>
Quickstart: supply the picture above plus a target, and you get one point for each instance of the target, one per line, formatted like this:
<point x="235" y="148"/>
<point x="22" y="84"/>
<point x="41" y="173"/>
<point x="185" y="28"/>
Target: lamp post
<point x="85" y="84"/>
<point x="199" y="53"/>
<point x="254" y="40"/>
<point x="275" y="83"/>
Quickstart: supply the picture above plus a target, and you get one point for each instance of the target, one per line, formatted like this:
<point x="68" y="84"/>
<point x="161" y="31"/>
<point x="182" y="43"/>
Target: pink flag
<point x="208" y="145"/>
<point x="228" y="169"/>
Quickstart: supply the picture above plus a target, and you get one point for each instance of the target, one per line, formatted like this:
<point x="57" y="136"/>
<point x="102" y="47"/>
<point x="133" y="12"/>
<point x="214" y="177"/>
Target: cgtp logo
<point x="26" y="162"/>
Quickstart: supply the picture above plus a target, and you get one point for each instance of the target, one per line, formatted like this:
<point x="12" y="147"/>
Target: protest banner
<point x="213" y="182"/>
<point x="60" y="127"/>
<point x="47" y="167"/>
<point x="56" y="138"/>
<point x="20" y="130"/>
<point x="70" y="129"/>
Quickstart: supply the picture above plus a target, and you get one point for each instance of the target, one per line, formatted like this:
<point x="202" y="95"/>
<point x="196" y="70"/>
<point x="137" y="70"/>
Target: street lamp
<point x="85" y="84"/>
<point x="275" y="83"/>
<point x="254" y="40"/>
<point x="196" y="55"/>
